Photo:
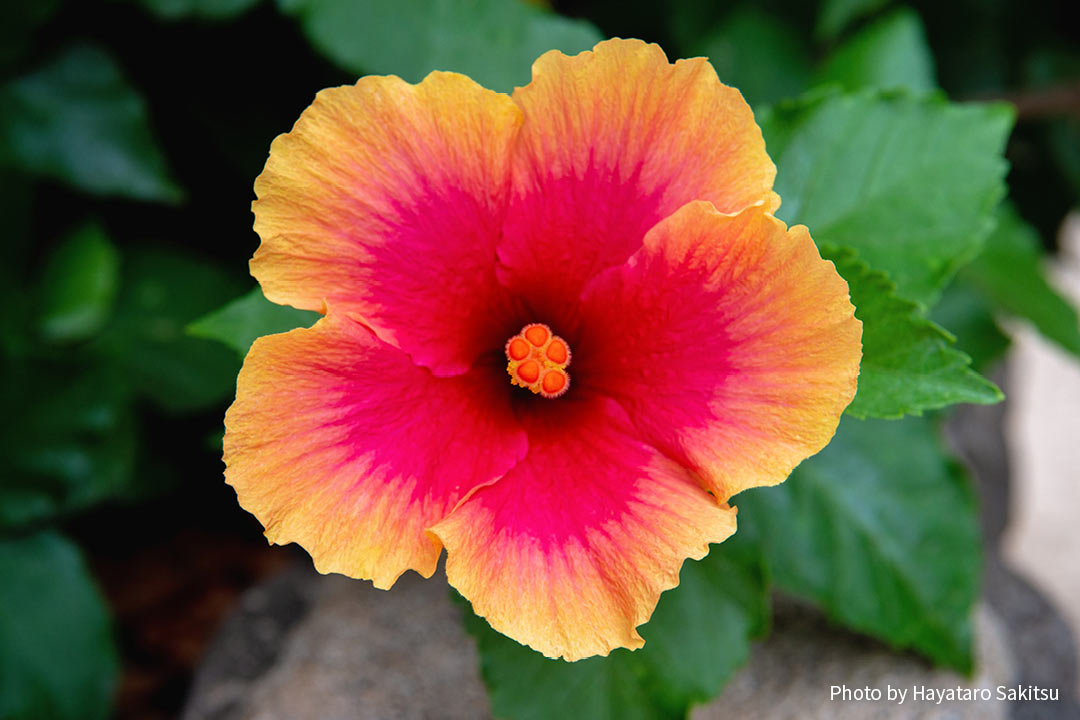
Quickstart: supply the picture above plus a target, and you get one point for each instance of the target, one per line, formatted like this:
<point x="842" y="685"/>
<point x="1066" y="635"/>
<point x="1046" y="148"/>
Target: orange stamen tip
<point x="538" y="360"/>
<point x="517" y="349"/>
<point x="529" y="371"/>
<point x="537" y="334"/>
<point x="557" y="352"/>
<point x="554" y="384"/>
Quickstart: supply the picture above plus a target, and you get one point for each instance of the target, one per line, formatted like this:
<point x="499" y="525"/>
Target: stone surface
<point x="351" y="652"/>
<point x="1043" y="427"/>
<point x="356" y="653"/>
<point x="791" y="675"/>
<point x="1042" y="641"/>
<point x="252" y="639"/>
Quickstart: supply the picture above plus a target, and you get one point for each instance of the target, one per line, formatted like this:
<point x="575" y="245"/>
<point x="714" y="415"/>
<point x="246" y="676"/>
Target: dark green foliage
<point x="908" y="364"/>
<point x="248" y="317"/>
<point x="492" y="41"/>
<point x="78" y="286"/>
<point x="57" y="660"/>
<point x="1009" y="275"/>
<point x="880" y="530"/>
<point x="971" y="320"/>
<point x="68" y="440"/>
<point x="18" y="23"/>
<point x="908" y="183"/>
<point x="890" y="53"/>
<point x="78" y="120"/>
<point x="836" y="15"/>
<point x="757" y="52"/>
<point x="202" y="9"/>
<point x="163" y="291"/>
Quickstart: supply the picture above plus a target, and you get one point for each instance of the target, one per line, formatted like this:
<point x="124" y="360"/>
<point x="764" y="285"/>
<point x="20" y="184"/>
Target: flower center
<point x="537" y="361"/>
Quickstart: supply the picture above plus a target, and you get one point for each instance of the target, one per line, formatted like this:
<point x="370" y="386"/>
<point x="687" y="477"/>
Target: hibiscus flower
<point x="561" y="330"/>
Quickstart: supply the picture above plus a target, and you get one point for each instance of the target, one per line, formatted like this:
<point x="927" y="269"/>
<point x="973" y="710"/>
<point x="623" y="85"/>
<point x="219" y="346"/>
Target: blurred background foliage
<point x="131" y="132"/>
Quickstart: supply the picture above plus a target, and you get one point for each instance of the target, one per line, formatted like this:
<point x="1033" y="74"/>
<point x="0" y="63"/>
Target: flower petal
<point x="338" y="442"/>
<point x="615" y="140"/>
<point x="386" y="200"/>
<point x="569" y="552"/>
<point x="731" y="344"/>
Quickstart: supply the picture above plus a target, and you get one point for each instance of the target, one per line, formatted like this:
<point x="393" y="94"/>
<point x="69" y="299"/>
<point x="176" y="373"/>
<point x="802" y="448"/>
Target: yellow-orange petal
<point x="743" y="345"/>
<point x="614" y="140"/>
<point x="569" y="552"/>
<point x="339" y="443"/>
<point x="386" y="200"/>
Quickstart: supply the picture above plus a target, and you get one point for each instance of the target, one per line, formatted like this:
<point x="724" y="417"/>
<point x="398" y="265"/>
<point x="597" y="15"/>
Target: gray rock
<point x="791" y="676"/>
<point x="251" y="640"/>
<point x="1042" y="641"/>
<point x="357" y="653"/>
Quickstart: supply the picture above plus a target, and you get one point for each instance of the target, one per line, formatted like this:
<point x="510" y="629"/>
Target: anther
<point x="517" y="349"/>
<point x="556" y="352"/>
<point x="536" y="334"/>
<point x="537" y="361"/>
<point x="529" y="371"/>
<point x="554" y="383"/>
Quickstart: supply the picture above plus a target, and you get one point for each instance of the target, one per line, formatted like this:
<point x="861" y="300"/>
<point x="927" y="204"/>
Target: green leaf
<point x="880" y="530"/>
<point x="78" y="285"/>
<point x="890" y="53"/>
<point x="163" y="290"/>
<point x="909" y="183"/>
<point x="67" y="440"/>
<point x="908" y="365"/>
<point x="201" y="9"/>
<point x="57" y="657"/>
<point x="238" y="323"/>
<point x="971" y="319"/>
<point x="688" y="21"/>
<point x="755" y="51"/>
<point x="78" y="120"/>
<point x="492" y="41"/>
<point x="698" y="636"/>
<point x="836" y="15"/>
<point x="1010" y="275"/>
